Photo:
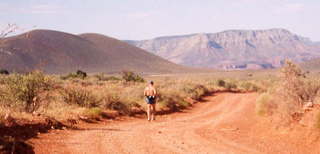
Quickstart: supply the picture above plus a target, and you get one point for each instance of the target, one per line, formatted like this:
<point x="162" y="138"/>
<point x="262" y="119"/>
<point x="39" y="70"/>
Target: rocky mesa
<point x="233" y="49"/>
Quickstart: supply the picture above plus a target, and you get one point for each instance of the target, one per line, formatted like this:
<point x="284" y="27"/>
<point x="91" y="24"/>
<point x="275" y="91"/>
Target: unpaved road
<point x="222" y="123"/>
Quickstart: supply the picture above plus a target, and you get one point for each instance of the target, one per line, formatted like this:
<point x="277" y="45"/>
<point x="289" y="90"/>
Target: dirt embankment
<point x="222" y="123"/>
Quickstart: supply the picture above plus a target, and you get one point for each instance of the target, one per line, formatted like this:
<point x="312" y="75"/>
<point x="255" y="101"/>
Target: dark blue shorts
<point x="150" y="100"/>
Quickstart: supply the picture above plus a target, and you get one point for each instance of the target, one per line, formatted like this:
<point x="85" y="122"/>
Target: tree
<point x="131" y="76"/>
<point x="4" y="72"/>
<point x="81" y="74"/>
<point x="11" y="28"/>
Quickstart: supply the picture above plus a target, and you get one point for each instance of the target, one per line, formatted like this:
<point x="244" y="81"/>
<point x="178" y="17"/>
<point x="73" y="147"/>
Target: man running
<point x="150" y="93"/>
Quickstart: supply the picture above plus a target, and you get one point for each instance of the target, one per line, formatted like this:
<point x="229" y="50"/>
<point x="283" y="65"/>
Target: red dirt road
<point x="222" y="123"/>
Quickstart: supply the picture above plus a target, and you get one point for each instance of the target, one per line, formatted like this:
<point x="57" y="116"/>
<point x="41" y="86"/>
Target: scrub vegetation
<point x="292" y="97"/>
<point x="73" y="95"/>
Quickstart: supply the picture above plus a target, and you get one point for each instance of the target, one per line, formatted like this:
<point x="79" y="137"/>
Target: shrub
<point x="4" y="72"/>
<point x="262" y="104"/>
<point x="123" y="108"/>
<point x="249" y="87"/>
<point x="195" y="91"/>
<point x="296" y="86"/>
<point x="292" y="82"/>
<point x="221" y="83"/>
<point x="173" y="97"/>
<point x="131" y="76"/>
<point x="231" y="85"/>
<point x="112" y="78"/>
<point x="103" y="77"/>
<point x="112" y="101"/>
<point x="286" y="98"/>
<point x="79" y="96"/>
<point x="93" y="113"/>
<point x="25" y="90"/>
<point x="79" y="74"/>
<point x="172" y="102"/>
<point x="70" y="75"/>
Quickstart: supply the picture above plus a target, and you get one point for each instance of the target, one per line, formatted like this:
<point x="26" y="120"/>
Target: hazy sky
<point x="144" y="19"/>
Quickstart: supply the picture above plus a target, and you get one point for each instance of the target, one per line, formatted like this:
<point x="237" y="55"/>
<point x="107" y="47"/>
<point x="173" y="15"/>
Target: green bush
<point x="25" y="90"/>
<point x="4" y="72"/>
<point x="131" y="76"/>
<point x="79" y="74"/>
<point x="229" y="85"/>
<point x="221" y="83"/>
<point x="80" y="96"/>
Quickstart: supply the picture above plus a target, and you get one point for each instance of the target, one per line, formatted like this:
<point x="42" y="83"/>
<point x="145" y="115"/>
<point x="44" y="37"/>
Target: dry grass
<point x="263" y="106"/>
<point x="74" y="97"/>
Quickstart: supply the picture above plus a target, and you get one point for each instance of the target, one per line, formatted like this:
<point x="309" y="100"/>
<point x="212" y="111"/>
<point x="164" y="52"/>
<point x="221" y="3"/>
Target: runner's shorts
<point x="150" y="99"/>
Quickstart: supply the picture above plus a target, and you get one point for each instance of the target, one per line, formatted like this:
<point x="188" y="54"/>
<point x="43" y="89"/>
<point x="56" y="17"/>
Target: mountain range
<point x="60" y="52"/>
<point x="233" y="49"/>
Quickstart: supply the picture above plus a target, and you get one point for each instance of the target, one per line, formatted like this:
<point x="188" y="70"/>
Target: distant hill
<point x="125" y="56"/>
<point x="233" y="49"/>
<point x="59" y="52"/>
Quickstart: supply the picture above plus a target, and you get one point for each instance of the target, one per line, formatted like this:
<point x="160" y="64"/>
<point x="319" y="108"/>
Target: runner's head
<point x="151" y="83"/>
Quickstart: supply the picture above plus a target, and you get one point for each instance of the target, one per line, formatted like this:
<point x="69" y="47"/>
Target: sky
<point x="146" y="19"/>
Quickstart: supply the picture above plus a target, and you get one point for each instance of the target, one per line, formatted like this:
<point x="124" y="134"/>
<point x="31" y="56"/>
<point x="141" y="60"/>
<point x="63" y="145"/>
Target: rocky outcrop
<point x="233" y="49"/>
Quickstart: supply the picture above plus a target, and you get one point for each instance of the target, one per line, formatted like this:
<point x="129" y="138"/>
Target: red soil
<point x="222" y="123"/>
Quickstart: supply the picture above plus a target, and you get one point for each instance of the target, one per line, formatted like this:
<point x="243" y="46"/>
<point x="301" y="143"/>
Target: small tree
<point x="81" y="74"/>
<point x="297" y="86"/>
<point x="4" y="72"/>
<point x="131" y="76"/>
<point x="26" y="90"/>
<point x="292" y="81"/>
<point x="11" y="28"/>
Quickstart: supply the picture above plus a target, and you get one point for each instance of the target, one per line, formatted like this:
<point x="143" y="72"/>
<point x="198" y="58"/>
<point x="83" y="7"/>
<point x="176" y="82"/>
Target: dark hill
<point x="126" y="56"/>
<point x="59" y="52"/>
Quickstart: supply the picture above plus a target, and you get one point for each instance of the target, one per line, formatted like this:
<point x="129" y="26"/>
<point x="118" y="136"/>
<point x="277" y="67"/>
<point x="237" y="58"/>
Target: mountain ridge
<point x="232" y="49"/>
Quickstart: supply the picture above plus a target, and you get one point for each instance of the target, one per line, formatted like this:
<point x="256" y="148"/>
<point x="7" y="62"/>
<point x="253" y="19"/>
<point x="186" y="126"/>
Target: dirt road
<point x="222" y="123"/>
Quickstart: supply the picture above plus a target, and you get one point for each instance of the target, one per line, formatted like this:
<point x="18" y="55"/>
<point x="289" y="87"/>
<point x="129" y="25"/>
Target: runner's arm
<point x="154" y="92"/>
<point x="145" y="92"/>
